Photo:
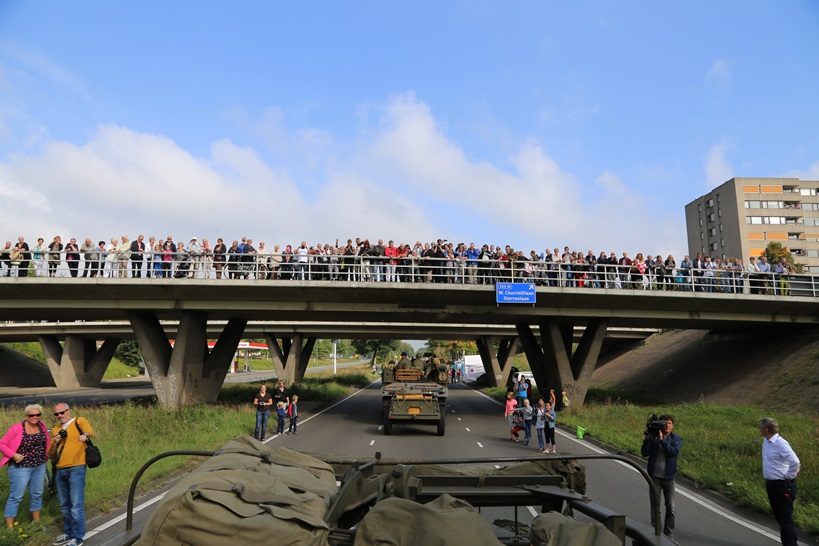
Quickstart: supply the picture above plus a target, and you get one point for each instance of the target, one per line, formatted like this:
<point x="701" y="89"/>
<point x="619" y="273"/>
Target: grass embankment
<point x="722" y="448"/>
<point x="129" y="434"/>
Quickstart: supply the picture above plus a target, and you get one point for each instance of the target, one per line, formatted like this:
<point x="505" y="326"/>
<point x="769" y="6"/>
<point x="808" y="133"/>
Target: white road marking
<point x="372" y="442"/>
<point x="122" y="517"/>
<point x="479" y="444"/>
<point x="705" y="503"/>
<point x="467" y="429"/>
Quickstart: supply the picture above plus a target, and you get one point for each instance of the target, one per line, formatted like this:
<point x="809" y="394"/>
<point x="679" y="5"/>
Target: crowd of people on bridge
<point x="435" y="262"/>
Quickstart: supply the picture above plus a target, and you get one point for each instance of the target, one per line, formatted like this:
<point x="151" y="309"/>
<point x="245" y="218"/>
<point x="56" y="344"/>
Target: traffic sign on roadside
<point x="515" y="292"/>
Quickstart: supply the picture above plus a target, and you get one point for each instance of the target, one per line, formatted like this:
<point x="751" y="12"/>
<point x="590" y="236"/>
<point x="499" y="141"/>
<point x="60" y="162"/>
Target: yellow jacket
<point x="73" y="450"/>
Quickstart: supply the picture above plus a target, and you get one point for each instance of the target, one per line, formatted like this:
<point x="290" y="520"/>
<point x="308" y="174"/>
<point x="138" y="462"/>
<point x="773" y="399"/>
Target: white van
<point x="528" y="375"/>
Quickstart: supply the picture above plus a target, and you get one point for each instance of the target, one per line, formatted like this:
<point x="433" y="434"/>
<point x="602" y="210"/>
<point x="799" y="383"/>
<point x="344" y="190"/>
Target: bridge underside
<point x="206" y="309"/>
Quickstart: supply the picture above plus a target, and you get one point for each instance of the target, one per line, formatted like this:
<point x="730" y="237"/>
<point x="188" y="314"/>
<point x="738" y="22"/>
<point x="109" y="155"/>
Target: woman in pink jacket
<point x="25" y="449"/>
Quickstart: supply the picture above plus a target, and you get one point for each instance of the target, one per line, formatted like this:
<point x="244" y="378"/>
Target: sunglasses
<point x="34" y="415"/>
<point x="58" y="413"/>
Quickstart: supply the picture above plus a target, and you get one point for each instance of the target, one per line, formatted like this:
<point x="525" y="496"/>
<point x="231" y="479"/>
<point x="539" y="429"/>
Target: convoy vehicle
<point x="414" y="396"/>
<point x="247" y="493"/>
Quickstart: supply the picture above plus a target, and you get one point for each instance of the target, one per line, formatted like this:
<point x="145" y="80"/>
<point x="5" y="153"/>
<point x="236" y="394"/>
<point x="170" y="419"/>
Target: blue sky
<point x="534" y="124"/>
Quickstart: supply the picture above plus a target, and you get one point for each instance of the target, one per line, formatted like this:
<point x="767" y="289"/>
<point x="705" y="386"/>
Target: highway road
<point x="476" y="428"/>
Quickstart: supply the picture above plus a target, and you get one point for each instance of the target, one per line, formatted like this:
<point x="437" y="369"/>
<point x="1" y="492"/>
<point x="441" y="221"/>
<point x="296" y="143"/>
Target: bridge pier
<point x="290" y="358"/>
<point x="497" y="366"/>
<point x="553" y="363"/>
<point x="185" y="373"/>
<point x="77" y="363"/>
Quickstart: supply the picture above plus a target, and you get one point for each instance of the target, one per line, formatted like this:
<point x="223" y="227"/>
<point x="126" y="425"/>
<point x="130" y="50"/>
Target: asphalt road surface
<point x="476" y="428"/>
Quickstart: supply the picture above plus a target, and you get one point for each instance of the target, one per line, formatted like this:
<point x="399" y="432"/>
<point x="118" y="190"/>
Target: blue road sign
<point x="515" y="292"/>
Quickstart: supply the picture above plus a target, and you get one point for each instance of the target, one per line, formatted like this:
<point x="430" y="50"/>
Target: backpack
<point x="290" y="410"/>
<point x="246" y="494"/>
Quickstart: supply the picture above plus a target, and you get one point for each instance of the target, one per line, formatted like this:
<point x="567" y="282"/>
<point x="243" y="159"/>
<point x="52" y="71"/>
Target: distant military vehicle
<point x="414" y="395"/>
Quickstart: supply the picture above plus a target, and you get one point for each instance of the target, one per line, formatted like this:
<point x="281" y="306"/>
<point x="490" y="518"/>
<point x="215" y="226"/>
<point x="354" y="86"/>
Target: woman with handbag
<point x="25" y="449"/>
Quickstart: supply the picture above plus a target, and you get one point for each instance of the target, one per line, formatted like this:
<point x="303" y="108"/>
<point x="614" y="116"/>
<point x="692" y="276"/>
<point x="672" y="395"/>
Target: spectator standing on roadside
<point x="780" y="466"/>
<point x="69" y="444"/>
<point x="281" y="414"/>
<point x="662" y="450"/>
<point x="293" y="413"/>
<point x="25" y="449"/>
<point x="550" y="418"/>
<point x="509" y="412"/>
<point x="263" y="401"/>
<point x="280" y="394"/>
<point x="521" y="392"/>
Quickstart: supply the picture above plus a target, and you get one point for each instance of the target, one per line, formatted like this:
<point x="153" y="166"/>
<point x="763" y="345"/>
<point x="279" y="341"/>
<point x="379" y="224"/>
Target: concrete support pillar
<point x="497" y="366"/>
<point x="77" y="362"/>
<point x="187" y="372"/>
<point x="290" y="358"/>
<point x="555" y="365"/>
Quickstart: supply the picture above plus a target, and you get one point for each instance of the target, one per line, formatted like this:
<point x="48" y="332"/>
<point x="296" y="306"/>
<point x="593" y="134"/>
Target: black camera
<point x="654" y="425"/>
<point x="63" y="434"/>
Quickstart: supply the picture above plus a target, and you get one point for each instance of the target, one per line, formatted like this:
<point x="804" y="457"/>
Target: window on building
<point x="709" y="203"/>
<point x="711" y="217"/>
<point x="717" y="198"/>
<point x="712" y="232"/>
<point x="720" y="228"/>
<point x="813" y="253"/>
<point x="702" y="236"/>
<point x="701" y="222"/>
<point x="807" y="191"/>
<point x="713" y="246"/>
<point x="722" y="244"/>
<point x="699" y="207"/>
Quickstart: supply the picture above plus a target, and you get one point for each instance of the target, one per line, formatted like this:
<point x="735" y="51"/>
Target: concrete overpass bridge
<point x="292" y="314"/>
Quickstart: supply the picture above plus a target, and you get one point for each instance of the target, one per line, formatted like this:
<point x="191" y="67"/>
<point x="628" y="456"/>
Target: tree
<point x="128" y="353"/>
<point x="451" y="350"/>
<point x="776" y="251"/>
<point x="375" y="347"/>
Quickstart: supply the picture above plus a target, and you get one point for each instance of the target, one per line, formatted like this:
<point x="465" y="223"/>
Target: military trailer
<point x="414" y="396"/>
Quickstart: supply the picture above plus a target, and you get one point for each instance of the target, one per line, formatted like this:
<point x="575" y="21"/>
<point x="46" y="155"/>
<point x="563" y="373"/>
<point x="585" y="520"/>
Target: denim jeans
<point x="71" y="490"/>
<point x="261" y="424"/>
<point x="666" y="488"/>
<point x="540" y="442"/>
<point x="20" y="478"/>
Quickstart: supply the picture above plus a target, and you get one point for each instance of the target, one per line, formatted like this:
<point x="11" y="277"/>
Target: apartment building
<point x="740" y="217"/>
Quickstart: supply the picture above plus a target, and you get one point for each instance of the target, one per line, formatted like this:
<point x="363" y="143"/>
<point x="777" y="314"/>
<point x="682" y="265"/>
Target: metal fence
<point x="410" y="269"/>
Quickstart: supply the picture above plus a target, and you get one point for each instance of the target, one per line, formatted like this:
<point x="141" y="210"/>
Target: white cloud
<point x="717" y="167"/>
<point x="719" y="75"/>
<point x="404" y="179"/>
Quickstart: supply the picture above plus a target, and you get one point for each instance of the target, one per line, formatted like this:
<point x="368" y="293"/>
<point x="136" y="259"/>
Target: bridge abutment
<point x="291" y="356"/>
<point x="553" y="362"/>
<point x="77" y="362"/>
<point x="186" y="372"/>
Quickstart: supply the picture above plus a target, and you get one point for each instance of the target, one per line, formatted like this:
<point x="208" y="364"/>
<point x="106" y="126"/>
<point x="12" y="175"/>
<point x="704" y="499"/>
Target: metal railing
<point x="409" y="269"/>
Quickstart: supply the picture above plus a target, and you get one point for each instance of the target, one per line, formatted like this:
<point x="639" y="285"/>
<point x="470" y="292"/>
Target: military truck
<point x="247" y="492"/>
<point x="414" y="396"/>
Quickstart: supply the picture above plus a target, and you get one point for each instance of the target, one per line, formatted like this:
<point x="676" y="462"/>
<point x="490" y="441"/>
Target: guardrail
<point x="412" y="269"/>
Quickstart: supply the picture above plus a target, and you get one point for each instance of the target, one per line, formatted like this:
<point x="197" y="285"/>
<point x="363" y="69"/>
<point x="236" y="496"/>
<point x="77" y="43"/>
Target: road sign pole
<point x="334" y="358"/>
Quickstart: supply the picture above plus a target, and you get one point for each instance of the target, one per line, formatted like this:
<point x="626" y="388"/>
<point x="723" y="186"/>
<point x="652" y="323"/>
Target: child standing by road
<point x="281" y="412"/>
<point x="527" y="411"/>
<point x="293" y="412"/>
<point x="510" y="412"/>
<point x="551" y="421"/>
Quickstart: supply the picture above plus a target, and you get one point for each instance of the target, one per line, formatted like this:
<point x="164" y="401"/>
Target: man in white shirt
<point x="780" y="466"/>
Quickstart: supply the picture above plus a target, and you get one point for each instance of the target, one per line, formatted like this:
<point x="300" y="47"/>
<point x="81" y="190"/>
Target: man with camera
<point x="68" y="451"/>
<point x="662" y="446"/>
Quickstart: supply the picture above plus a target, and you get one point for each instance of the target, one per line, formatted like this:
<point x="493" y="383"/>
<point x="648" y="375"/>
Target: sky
<point x="537" y="124"/>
